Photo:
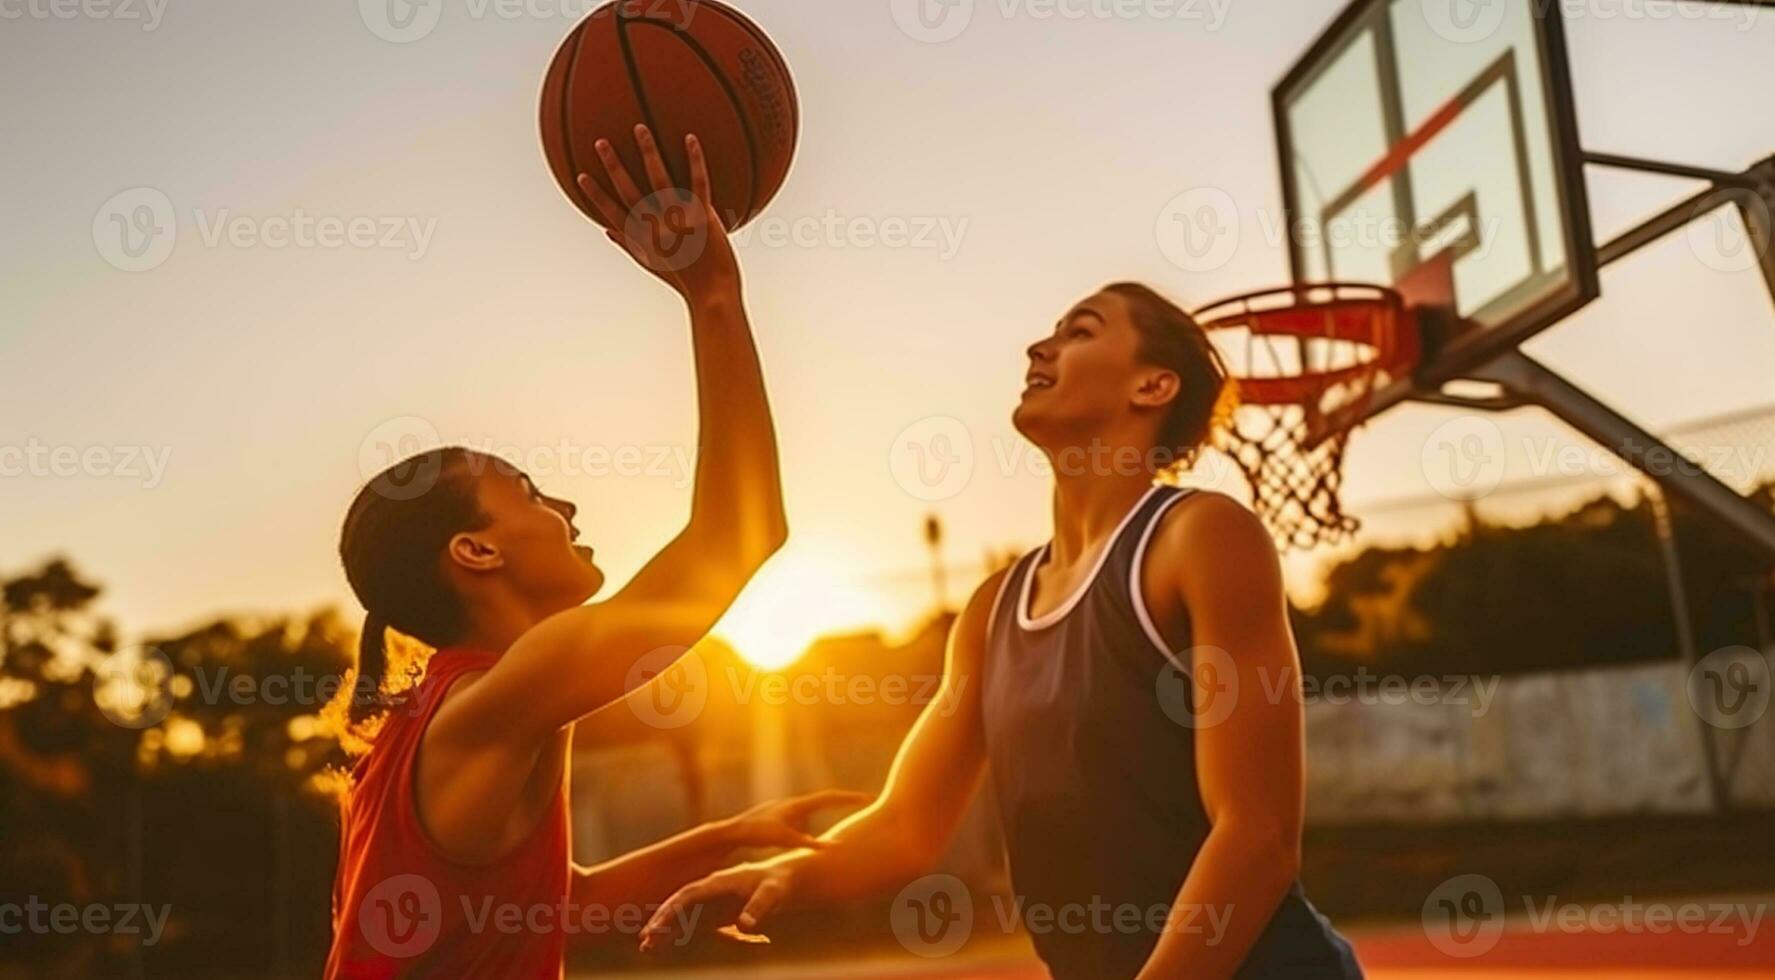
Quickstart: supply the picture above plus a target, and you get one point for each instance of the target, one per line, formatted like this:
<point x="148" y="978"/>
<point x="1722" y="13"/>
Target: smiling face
<point x="1088" y="382"/>
<point x="529" y="543"/>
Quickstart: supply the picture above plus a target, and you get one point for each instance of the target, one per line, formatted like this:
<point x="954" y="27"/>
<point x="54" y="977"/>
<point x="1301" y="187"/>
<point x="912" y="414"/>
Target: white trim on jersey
<point x="1058" y="613"/>
<point x="1137" y="595"/>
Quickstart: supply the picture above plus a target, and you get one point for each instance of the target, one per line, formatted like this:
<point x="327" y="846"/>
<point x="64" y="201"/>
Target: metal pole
<point x="1620" y="162"/>
<point x="1758" y="210"/>
<point x="1685" y="635"/>
<point x="1675" y="473"/>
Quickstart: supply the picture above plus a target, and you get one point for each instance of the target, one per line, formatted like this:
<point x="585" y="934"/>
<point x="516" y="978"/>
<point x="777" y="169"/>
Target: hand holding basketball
<point x="672" y="232"/>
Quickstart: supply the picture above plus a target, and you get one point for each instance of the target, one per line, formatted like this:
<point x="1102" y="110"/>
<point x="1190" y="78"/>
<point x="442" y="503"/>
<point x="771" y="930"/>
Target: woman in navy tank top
<point x="1131" y="690"/>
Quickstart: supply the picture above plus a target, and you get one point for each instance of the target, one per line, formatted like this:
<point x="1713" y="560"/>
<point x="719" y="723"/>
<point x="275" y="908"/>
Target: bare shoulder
<point x="1209" y="529"/>
<point x="968" y="634"/>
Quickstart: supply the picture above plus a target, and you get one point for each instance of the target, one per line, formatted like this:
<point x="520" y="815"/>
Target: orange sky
<point x="1035" y="152"/>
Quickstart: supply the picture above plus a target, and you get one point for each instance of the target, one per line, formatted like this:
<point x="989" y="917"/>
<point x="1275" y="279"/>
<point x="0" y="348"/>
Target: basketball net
<point x="1306" y="362"/>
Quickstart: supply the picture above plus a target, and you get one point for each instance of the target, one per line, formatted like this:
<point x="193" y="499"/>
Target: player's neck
<point x="1088" y="507"/>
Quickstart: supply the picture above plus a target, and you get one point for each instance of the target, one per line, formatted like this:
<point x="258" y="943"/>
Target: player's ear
<point x="474" y="552"/>
<point x="1155" y="387"/>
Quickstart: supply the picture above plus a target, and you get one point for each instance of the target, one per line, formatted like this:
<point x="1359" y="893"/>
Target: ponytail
<point x="372" y="669"/>
<point x="392" y="546"/>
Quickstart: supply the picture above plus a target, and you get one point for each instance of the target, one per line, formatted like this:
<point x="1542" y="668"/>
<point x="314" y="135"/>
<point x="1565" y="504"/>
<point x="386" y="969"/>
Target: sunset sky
<point x="1039" y="152"/>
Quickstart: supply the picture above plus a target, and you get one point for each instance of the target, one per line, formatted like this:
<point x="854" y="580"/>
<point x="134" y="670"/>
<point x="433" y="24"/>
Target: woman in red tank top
<point x="454" y="851"/>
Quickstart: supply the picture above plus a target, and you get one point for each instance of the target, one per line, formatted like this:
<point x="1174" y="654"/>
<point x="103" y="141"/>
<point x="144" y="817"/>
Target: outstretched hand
<point x="673" y="232"/>
<point x="737" y="899"/>
<point x="783" y="823"/>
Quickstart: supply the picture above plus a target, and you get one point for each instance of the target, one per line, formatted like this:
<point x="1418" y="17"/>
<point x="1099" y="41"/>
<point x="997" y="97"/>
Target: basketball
<point x="689" y="66"/>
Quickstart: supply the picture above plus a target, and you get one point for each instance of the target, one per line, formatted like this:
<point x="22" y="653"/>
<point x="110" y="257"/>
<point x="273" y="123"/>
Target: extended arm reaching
<point x="580" y="660"/>
<point x="895" y="839"/>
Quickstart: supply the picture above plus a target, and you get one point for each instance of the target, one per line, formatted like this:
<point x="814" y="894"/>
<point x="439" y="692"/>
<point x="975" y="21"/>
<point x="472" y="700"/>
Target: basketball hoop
<point x="1306" y="361"/>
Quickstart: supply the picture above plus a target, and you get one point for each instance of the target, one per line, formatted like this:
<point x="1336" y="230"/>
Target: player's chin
<point x="1039" y="416"/>
<point x="587" y="576"/>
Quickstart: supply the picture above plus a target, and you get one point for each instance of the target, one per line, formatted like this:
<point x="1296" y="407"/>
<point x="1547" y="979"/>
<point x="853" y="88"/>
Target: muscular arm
<point x="934" y="777"/>
<point x="577" y="661"/>
<point x="900" y="835"/>
<point x="1219" y="563"/>
<point x="498" y="732"/>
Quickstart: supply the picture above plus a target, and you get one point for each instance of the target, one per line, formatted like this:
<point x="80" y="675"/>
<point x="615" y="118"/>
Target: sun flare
<point x="796" y="599"/>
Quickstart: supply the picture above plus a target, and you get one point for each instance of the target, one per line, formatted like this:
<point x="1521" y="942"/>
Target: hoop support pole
<point x="1524" y="376"/>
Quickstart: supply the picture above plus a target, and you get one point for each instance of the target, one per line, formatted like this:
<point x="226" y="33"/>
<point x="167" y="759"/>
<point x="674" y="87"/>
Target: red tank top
<point x="402" y="908"/>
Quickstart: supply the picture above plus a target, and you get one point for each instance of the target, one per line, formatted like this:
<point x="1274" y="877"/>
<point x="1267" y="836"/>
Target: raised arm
<point x="895" y="839"/>
<point x="580" y="660"/>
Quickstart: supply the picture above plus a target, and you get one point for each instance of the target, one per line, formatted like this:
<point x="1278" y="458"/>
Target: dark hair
<point x="392" y="546"/>
<point x="1172" y="339"/>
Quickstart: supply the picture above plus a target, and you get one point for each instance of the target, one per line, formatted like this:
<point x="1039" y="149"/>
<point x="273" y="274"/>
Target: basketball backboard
<point x="1431" y="145"/>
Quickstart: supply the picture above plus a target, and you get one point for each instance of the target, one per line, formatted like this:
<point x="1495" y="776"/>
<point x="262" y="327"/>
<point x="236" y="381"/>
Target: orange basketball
<point x="680" y="66"/>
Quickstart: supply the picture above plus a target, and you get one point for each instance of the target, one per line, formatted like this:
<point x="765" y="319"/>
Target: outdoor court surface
<point x="1397" y="953"/>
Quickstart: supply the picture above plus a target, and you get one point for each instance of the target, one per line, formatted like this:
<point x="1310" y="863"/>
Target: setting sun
<point x="796" y="599"/>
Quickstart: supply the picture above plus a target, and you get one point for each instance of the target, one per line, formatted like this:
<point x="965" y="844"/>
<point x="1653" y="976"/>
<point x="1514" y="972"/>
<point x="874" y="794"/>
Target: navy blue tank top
<point x="1096" y="783"/>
